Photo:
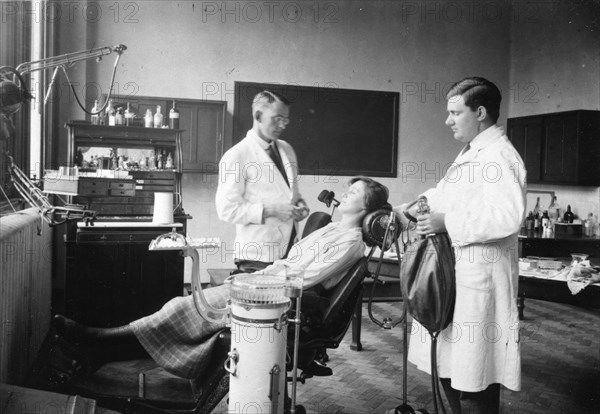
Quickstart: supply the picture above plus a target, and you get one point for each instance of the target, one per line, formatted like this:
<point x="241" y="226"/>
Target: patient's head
<point x="364" y="195"/>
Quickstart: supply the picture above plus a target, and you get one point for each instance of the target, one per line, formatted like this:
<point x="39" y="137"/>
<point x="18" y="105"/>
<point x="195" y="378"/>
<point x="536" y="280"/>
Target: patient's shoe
<point x="63" y="361"/>
<point x="72" y="331"/>
<point x="315" y="369"/>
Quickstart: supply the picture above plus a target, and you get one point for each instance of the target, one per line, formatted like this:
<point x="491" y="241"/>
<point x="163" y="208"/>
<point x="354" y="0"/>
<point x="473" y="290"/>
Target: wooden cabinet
<point x="559" y="148"/>
<point x="111" y="277"/>
<point x="202" y="125"/>
<point x="560" y="248"/>
<point x="526" y="135"/>
<point x="106" y="276"/>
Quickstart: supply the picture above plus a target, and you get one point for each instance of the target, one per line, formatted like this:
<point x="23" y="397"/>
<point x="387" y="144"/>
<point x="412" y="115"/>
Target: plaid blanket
<point x="177" y="337"/>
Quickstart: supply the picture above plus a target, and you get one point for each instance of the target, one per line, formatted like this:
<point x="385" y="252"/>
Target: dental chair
<point x="140" y="386"/>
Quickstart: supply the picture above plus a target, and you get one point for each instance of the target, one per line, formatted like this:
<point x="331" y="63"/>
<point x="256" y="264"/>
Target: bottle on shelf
<point x="114" y="164"/>
<point x="152" y="161"/>
<point x="545" y="221"/>
<point x="119" y="118"/>
<point x="589" y="227"/>
<point x="158" y="117"/>
<point x="129" y="116"/>
<point x="569" y="216"/>
<point x="95" y="115"/>
<point x="537" y="222"/>
<point x="169" y="163"/>
<point x="148" y="119"/>
<point x="110" y="113"/>
<point x="529" y="221"/>
<point x="537" y="208"/>
<point x="174" y="117"/>
<point x="159" y="160"/>
<point x="554" y="210"/>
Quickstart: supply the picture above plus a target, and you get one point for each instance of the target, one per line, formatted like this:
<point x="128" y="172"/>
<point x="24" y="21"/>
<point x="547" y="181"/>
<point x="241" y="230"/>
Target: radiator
<point x="25" y="291"/>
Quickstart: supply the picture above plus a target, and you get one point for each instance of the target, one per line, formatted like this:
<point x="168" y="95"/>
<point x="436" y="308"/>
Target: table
<point x="555" y="291"/>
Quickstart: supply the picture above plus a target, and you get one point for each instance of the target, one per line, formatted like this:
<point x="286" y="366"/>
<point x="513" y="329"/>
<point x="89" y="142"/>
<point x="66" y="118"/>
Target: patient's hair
<point x="478" y="92"/>
<point x="266" y="98"/>
<point x="376" y="197"/>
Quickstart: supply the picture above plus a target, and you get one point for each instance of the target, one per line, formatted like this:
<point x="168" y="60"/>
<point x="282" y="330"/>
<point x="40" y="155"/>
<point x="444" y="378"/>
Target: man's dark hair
<point x="478" y="92"/>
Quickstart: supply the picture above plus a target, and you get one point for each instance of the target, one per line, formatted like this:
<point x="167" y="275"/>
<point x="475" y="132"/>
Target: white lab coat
<point x="249" y="179"/>
<point x="483" y="197"/>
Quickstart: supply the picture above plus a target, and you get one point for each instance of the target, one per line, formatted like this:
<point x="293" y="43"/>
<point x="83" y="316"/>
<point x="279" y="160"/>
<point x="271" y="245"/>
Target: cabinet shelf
<point x="137" y="146"/>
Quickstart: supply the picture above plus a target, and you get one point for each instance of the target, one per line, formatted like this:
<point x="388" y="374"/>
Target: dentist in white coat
<point x="480" y="203"/>
<point x="258" y="187"/>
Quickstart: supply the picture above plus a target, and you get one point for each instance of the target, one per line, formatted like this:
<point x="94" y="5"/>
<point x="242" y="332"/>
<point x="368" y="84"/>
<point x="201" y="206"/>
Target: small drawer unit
<point x="141" y="161"/>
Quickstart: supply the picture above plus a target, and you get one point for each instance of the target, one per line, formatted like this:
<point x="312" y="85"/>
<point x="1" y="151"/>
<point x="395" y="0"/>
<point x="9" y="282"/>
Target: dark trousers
<point x="482" y="402"/>
<point x="250" y="266"/>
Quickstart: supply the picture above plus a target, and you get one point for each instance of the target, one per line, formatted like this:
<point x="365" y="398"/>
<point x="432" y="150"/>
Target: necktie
<point x="466" y="148"/>
<point x="274" y="154"/>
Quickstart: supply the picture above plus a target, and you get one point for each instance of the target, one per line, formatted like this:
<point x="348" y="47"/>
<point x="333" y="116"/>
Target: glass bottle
<point x="569" y="216"/>
<point x="128" y="116"/>
<point x="152" y="161"/>
<point x="169" y="163"/>
<point x="159" y="160"/>
<point x="554" y="210"/>
<point x="545" y="220"/>
<point x="529" y="221"/>
<point x="148" y="119"/>
<point x="158" y="117"/>
<point x="113" y="160"/>
<point x="110" y="113"/>
<point x="174" y="117"/>
<point x="119" y="118"/>
<point x="537" y="208"/>
<point x="95" y="116"/>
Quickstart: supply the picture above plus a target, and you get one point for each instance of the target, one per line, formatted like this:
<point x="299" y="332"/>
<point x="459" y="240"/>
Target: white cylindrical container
<point x="258" y="344"/>
<point x="163" y="208"/>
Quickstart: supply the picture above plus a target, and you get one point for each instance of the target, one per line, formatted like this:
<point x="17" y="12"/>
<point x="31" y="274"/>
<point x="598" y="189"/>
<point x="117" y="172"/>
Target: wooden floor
<point x="560" y="365"/>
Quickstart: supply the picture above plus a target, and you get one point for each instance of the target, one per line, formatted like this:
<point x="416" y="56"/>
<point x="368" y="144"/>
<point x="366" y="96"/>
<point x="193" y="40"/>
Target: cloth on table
<point x="580" y="276"/>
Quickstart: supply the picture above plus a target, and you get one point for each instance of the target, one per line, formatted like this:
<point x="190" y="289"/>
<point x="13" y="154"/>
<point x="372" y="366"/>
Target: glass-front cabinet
<point x="115" y="170"/>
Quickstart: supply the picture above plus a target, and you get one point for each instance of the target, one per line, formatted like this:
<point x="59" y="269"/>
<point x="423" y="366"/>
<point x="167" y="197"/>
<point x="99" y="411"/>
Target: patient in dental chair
<point x="175" y="336"/>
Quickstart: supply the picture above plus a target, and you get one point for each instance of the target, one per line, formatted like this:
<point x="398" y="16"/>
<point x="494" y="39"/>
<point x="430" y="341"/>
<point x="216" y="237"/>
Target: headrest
<point x="11" y="94"/>
<point x="375" y="225"/>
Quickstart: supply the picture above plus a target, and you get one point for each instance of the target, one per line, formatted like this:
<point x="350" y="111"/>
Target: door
<point x="202" y="140"/>
<point x="526" y="136"/>
<point x="560" y="149"/>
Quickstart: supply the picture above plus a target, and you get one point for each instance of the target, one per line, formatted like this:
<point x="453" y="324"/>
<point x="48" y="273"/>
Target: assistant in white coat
<point x="480" y="202"/>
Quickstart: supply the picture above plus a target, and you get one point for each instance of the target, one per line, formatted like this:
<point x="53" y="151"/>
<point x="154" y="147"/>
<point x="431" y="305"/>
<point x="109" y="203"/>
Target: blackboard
<point x="333" y="131"/>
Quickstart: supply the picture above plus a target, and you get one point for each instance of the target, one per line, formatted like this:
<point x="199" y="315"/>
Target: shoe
<point x="72" y="331"/>
<point x="315" y="369"/>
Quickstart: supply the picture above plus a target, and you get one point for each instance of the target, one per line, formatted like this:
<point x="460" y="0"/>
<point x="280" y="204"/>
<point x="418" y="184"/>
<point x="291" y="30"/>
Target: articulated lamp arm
<point x="68" y="59"/>
<point x="12" y="95"/>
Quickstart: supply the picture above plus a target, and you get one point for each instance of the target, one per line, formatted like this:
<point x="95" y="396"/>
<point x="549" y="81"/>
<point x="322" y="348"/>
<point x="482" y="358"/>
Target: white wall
<point x="555" y="67"/>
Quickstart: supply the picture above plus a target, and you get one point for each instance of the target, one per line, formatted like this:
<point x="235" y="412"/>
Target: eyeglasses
<point x="281" y="120"/>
